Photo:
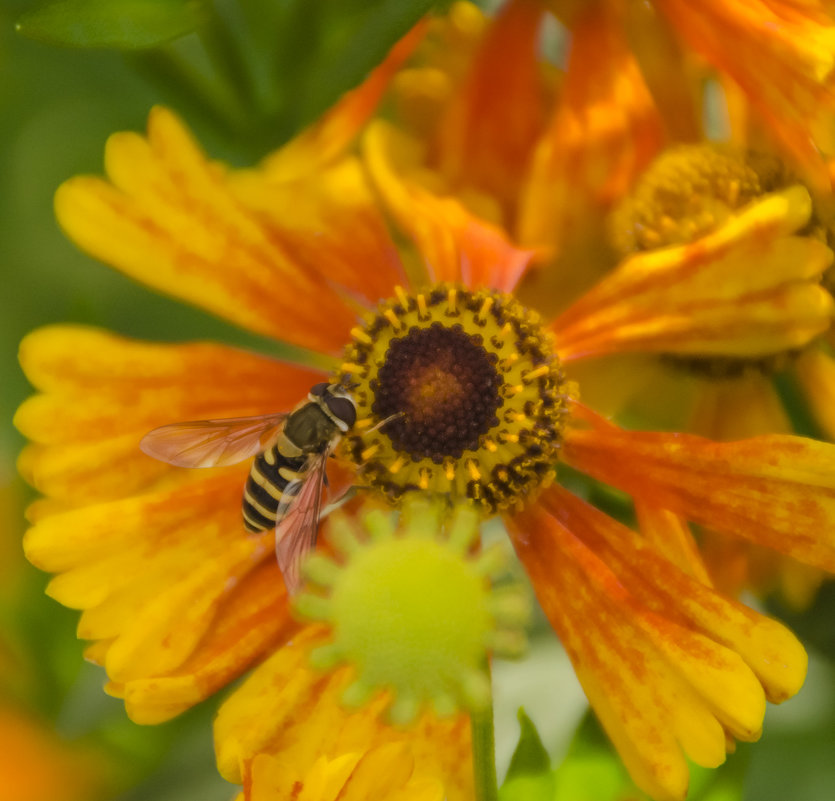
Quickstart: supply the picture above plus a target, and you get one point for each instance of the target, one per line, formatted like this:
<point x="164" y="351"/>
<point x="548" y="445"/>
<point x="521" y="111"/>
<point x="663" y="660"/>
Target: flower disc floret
<point x="458" y="392"/>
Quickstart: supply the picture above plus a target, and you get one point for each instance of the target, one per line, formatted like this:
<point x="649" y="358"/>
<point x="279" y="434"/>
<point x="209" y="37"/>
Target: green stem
<point x="484" y="754"/>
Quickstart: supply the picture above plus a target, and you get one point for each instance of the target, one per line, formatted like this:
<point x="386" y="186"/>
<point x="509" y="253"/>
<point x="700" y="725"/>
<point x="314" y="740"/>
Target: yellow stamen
<point x="472" y="467"/>
<point x="360" y="336"/>
<point x="452" y="300"/>
<point x="395" y="466"/>
<point x="535" y="373"/>
<point x="423" y="481"/>
<point x="402" y="297"/>
<point x="423" y="312"/>
<point x="489" y="444"/>
<point x="353" y="369"/>
<point x="364" y="423"/>
<point x="369" y="452"/>
<point x="449" y="469"/>
<point x="504" y="436"/>
<point x="485" y="308"/>
<point x="392" y="318"/>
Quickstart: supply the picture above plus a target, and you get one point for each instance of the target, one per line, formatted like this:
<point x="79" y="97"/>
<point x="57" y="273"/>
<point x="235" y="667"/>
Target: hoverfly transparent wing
<point x="212" y="443"/>
<point x="298" y="519"/>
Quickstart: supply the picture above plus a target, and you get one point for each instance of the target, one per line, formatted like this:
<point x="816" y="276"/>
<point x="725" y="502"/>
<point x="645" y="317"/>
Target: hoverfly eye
<point x="319" y="389"/>
<point x="342" y="409"/>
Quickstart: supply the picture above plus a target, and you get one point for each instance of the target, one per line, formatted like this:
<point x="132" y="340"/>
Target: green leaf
<point x="118" y="24"/>
<point x="530" y="755"/>
<point x="529" y="776"/>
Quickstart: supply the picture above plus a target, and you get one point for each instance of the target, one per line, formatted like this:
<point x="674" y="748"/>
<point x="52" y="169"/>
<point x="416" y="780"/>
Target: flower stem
<point x="484" y="754"/>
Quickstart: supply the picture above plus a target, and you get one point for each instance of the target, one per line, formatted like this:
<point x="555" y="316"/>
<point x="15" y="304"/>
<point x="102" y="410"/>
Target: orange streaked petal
<point x="90" y="472"/>
<point x="771" y="651"/>
<point x="286" y="708"/>
<point x="330" y="225"/>
<point x="704" y="298"/>
<point x="179" y="598"/>
<point x="672" y="537"/>
<point x="780" y="54"/>
<point x="455" y="244"/>
<point x="168" y="219"/>
<point x="604" y="130"/>
<point x="661" y="689"/>
<point x="774" y="490"/>
<point x="479" y="143"/>
<point x="99" y="385"/>
<point x="329" y="137"/>
<point x="253" y="619"/>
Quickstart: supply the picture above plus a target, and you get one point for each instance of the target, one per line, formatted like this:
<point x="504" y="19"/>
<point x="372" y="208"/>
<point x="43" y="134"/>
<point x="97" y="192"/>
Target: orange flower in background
<point x="514" y="139"/>
<point x="38" y="765"/>
<point x="179" y="600"/>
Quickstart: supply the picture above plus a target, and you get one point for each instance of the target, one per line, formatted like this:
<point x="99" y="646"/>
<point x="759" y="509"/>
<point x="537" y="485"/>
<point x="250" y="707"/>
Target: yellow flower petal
<point x="168" y="219"/>
<point x="285" y="708"/>
<point x="253" y="620"/>
<point x="99" y="385"/>
<point x="704" y="298"/>
<point x="385" y="773"/>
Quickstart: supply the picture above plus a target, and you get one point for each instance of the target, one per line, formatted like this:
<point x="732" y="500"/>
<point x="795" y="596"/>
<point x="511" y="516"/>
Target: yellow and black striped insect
<point x="284" y="488"/>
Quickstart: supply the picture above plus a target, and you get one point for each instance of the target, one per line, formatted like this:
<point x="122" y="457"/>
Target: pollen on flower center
<point x="458" y="392"/>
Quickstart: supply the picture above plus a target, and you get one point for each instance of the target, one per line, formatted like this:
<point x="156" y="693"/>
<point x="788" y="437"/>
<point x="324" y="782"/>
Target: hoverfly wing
<point x="298" y="520"/>
<point x="212" y="443"/>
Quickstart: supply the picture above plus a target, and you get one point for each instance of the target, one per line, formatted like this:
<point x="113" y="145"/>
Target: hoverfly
<point x="284" y="488"/>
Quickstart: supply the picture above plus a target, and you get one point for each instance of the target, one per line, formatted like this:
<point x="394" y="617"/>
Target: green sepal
<point x="112" y="24"/>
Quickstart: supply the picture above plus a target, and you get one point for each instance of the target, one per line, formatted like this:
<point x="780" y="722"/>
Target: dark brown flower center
<point x="445" y="387"/>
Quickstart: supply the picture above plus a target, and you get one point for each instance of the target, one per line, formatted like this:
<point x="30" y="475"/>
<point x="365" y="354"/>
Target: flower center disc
<point x="472" y="396"/>
<point x="445" y="388"/>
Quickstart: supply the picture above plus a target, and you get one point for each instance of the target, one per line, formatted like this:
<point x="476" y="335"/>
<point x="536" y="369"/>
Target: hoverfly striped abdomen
<point x="265" y="488"/>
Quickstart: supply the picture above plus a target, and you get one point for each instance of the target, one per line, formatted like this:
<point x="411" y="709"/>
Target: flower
<point x="179" y="600"/>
